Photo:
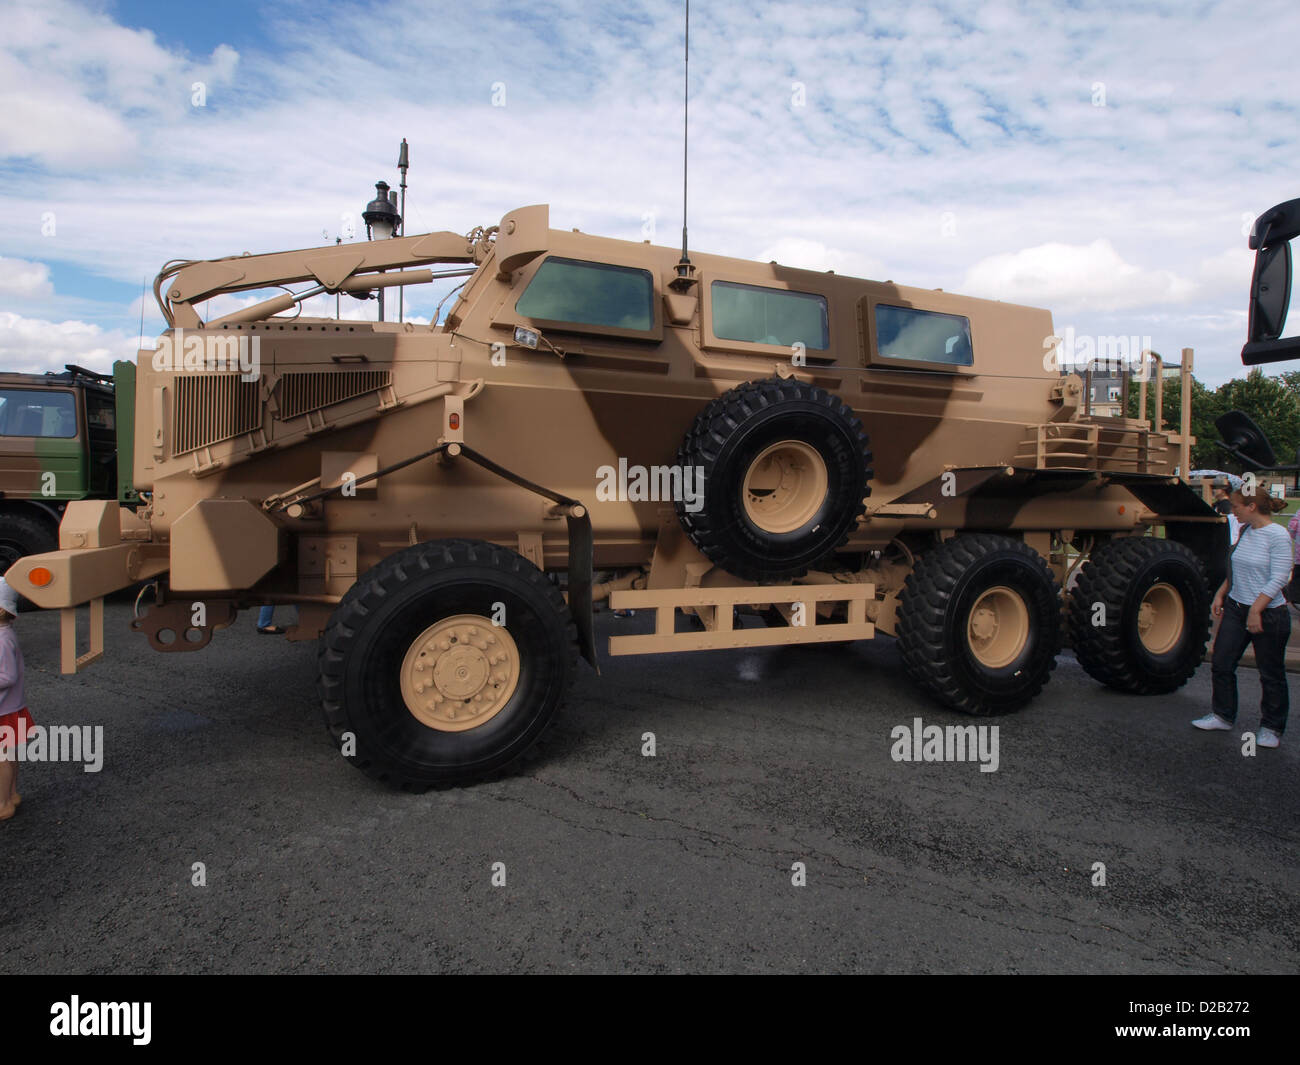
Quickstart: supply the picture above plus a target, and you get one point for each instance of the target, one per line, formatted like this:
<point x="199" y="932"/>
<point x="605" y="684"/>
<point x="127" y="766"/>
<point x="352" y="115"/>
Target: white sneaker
<point x="1266" y="737"/>
<point x="1212" y="723"/>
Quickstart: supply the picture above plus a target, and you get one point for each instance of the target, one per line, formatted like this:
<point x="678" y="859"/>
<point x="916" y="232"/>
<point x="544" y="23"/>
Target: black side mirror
<point x="1270" y="287"/>
<point x="1270" y="292"/>
<point x="1245" y="441"/>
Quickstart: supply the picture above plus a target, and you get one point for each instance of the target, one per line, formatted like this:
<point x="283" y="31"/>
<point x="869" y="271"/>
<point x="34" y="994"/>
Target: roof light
<point x="381" y="215"/>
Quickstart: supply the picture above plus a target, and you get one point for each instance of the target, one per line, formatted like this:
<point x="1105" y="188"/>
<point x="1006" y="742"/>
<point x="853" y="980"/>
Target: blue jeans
<point x="265" y="616"/>
<point x="1270" y="656"/>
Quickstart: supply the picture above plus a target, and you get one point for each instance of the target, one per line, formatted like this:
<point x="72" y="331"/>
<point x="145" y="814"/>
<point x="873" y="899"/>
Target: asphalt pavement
<point x="614" y="861"/>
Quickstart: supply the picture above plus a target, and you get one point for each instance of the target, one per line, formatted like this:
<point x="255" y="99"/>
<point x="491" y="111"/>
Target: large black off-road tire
<point x="979" y="623"/>
<point x="1139" y="616"/>
<point x="25" y="534"/>
<point x="786" y="471"/>
<point x="431" y="691"/>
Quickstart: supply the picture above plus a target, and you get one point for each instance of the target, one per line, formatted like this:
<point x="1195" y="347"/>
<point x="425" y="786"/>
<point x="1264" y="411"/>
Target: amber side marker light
<point x="453" y="421"/>
<point x="40" y="577"/>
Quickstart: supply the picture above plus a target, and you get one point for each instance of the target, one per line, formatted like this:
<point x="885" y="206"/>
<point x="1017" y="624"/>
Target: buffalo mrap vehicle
<point x="768" y="455"/>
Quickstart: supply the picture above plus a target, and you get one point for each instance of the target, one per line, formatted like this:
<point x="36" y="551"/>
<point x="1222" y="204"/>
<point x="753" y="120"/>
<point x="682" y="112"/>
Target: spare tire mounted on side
<point x="785" y="476"/>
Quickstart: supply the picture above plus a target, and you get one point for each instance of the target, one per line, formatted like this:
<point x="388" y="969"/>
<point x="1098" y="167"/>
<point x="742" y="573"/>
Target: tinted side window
<point x="568" y="290"/>
<point x="924" y="336"/>
<point x="24" y="413"/>
<point x="769" y="315"/>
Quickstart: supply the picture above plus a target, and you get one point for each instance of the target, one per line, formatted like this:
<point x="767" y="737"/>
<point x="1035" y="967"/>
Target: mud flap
<point x="581" y="559"/>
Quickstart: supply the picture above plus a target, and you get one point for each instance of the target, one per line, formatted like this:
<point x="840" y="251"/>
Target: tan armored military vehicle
<point x="766" y="455"/>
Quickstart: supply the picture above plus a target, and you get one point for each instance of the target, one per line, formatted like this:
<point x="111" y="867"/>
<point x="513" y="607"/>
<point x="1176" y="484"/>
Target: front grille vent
<point x="301" y="393"/>
<point x="214" y="407"/>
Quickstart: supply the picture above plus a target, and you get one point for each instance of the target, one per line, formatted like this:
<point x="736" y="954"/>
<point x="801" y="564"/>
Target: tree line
<point x="1272" y="402"/>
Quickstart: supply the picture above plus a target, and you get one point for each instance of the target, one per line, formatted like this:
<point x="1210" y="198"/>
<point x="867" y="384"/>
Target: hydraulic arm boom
<point x="331" y="267"/>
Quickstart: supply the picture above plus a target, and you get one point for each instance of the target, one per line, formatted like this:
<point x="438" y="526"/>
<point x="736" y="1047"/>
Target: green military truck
<point x="58" y="442"/>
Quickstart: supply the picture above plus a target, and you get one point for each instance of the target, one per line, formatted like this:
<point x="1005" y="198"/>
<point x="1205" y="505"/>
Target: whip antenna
<point x="403" y="161"/>
<point x="685" y="268"/>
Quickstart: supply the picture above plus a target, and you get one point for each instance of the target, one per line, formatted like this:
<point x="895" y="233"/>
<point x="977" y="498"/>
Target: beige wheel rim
<point x="785" y="486"/>
<point x="998" y="627"/>
<point x="459" y="673"/>
<point x="1161" y="618"/>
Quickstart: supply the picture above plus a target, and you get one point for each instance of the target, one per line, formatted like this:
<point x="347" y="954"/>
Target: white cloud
<point x="24" y="280"/>
<point x="1229" y="270"/>
<point x="805" y="254"/>
<point x="78" y="90"/>
<point x="33" y="345"/>
<point x="61" y="128"/>
<point x="1074" y="277"/>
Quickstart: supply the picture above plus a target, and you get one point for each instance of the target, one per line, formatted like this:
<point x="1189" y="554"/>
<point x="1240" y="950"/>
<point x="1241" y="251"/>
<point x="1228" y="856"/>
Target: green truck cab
<point x="59" y="442"/>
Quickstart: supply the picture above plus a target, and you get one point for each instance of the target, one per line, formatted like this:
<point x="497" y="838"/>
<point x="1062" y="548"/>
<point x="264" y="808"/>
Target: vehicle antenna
<point x="403" y="161"/>
<point x="685" y="270"/>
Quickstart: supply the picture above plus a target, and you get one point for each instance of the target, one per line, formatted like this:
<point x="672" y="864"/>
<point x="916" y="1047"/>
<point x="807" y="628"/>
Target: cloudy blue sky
<point x="1097" y="159"/>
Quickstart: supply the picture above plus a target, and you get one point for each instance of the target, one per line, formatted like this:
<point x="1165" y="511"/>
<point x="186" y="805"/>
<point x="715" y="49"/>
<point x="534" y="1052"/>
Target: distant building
<point x="1107" y="388"/>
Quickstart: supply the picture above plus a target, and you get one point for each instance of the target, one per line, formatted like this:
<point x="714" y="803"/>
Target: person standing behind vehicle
<point x="1293" y="589"/>
<point x="1224" y="506"/>
<point x="1253" y="612"/>
<point x="266" y="619"/>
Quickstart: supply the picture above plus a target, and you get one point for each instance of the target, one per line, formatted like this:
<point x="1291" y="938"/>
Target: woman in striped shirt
<point x="1253" y="611"/>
